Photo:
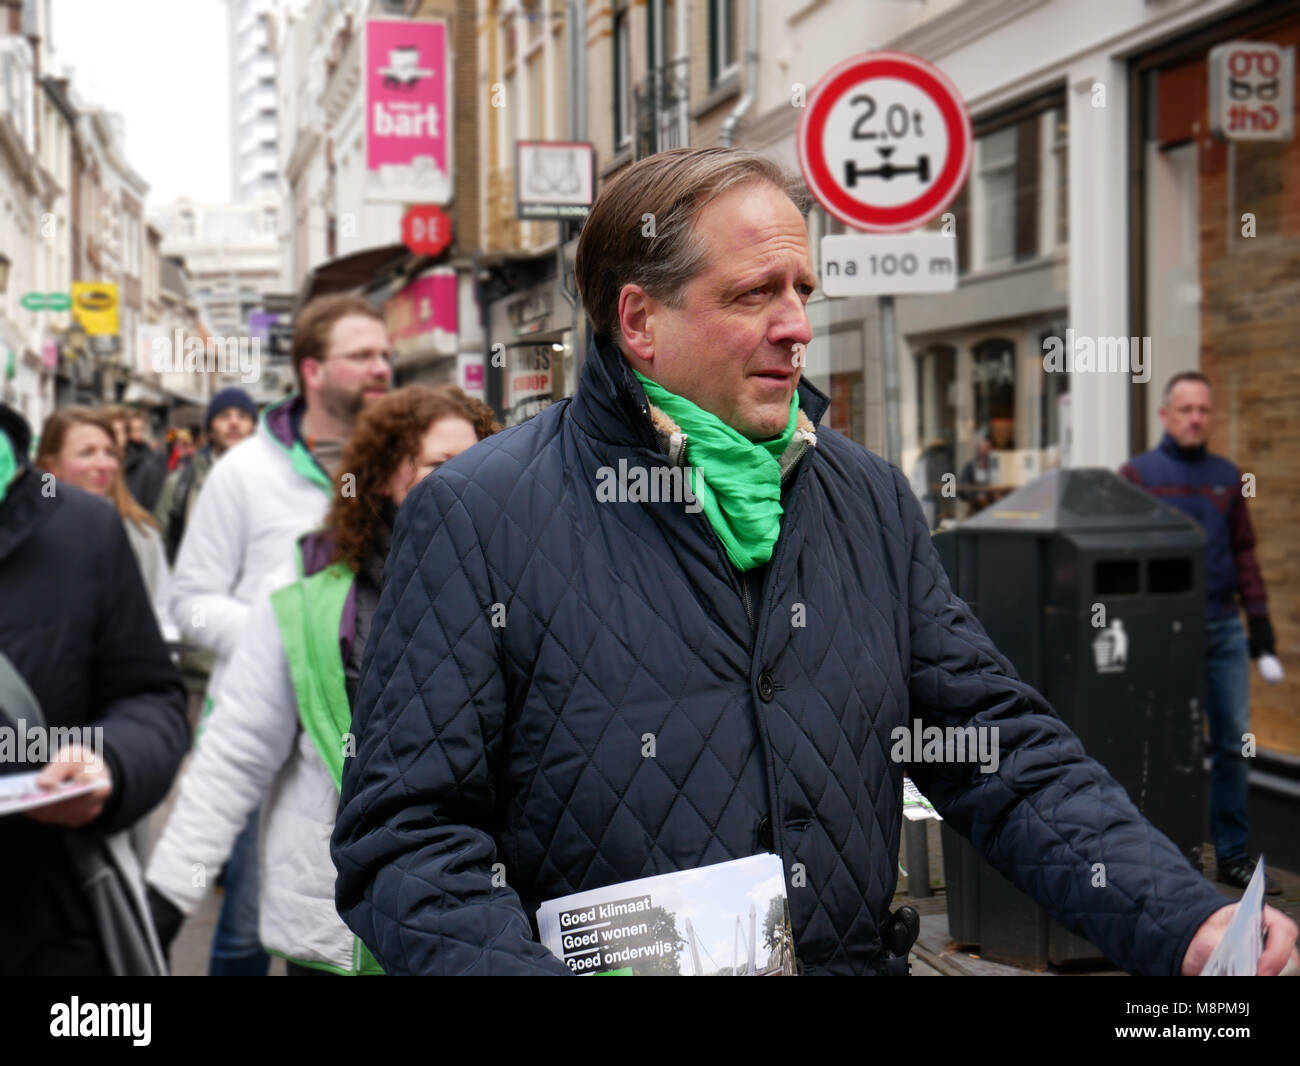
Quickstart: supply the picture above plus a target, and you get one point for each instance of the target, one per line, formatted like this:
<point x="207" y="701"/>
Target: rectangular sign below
<point x="860" y="264"/>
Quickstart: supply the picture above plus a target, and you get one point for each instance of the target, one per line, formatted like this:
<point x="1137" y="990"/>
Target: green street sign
<point x="46" y="301"/>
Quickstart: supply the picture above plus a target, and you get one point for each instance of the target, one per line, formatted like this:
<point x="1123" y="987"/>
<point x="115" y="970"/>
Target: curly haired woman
<point x="282" y="717"/>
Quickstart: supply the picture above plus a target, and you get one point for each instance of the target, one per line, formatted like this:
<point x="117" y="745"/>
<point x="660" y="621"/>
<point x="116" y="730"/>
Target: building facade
<point x="254" y="129"/>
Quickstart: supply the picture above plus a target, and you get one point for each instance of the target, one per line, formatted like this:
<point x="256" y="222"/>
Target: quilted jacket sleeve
<point x="1049" y="818"/>
<point x="418" y="879"/>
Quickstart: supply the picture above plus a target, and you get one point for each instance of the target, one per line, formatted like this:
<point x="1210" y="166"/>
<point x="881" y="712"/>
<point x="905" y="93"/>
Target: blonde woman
<point x="78" y="447"/>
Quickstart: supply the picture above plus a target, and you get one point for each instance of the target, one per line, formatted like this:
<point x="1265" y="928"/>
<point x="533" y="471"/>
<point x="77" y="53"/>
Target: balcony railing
<point x="663" y="120"/>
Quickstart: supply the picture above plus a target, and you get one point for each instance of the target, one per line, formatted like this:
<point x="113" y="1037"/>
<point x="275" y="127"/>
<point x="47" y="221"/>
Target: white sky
<point x="165" y="65"/>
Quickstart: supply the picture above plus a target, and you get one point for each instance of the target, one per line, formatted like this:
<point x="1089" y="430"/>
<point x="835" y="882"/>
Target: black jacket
<point x="490" y="752"/>
<point x="77" y="624"/>
<point x="145" y="471"/>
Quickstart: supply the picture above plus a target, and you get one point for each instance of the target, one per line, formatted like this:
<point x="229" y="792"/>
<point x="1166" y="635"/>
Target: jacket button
<point x="765" y="834"/>
<point x="766" y="687"/>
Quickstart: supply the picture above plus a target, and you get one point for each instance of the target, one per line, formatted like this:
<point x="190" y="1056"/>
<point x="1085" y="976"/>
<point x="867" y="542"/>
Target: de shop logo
<point x="885" y="142"/>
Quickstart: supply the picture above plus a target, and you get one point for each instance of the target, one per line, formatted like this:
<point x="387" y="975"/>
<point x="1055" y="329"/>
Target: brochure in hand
<point x="730" y="919"/>
<point x="19" y="792"/>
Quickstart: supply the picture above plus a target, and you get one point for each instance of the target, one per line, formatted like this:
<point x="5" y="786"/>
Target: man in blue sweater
<point x="1208" y="489"/>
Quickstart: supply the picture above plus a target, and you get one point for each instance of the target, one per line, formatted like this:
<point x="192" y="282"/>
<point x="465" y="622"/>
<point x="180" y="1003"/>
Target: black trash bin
<point x="1096" y="593"/>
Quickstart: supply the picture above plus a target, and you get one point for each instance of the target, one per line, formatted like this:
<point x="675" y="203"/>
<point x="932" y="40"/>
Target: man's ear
<point x="311" y="375"/>
<point x="635" y="309"/>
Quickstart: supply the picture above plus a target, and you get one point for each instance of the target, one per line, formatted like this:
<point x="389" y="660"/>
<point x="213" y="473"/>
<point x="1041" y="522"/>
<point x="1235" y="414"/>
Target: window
<point x="622" y="78"/>
<point x="993" y="375"/>
<point x="722" y="43"/>
<point x="1060" y="143"/>
<point x="1054" y="390"/>
<point x="996" y="160"/>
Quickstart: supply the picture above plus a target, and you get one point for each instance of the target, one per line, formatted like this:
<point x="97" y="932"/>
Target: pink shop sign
<point x="408" y="111"/>
<point x="423" y="315"/>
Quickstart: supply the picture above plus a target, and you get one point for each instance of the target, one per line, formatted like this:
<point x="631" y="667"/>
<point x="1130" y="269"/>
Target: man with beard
<point x="255" y="504"/>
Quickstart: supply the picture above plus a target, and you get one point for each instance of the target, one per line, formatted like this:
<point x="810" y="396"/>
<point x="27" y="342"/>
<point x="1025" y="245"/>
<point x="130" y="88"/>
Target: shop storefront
<point x="534" y="358"/>
<point x="1216" y="249"/>
<point x="423" y="322"/>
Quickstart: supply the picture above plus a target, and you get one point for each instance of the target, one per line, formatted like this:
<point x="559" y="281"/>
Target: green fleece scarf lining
<point x="8" y="464"/>
<point x="736" y="480"/>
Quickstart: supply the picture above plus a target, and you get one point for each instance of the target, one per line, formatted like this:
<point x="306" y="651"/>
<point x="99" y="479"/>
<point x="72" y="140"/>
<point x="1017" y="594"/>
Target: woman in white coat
<point x="281" y="717"/>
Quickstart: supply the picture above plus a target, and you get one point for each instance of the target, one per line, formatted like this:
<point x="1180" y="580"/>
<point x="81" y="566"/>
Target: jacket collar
<point x="1172" y="448"/>
<point x="611" y="405"/>
<point x="281" y="423"/>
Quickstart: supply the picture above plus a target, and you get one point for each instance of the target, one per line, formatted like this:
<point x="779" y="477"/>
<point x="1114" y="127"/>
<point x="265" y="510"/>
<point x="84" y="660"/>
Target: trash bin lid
<point x="1079" y="499"/>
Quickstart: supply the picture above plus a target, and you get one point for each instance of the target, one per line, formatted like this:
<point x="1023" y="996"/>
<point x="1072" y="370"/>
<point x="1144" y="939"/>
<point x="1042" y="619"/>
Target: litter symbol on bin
<point x="1110" y="648"/>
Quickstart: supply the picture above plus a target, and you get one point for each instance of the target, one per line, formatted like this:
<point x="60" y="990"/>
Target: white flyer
<point x="1243" y="941"/>
<point x="730" y="919"/>
<point x="19" y="792"/>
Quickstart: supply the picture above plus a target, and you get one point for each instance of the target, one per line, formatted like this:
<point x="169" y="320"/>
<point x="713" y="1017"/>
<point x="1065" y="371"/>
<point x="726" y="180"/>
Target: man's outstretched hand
<point x="1279" y="949"/>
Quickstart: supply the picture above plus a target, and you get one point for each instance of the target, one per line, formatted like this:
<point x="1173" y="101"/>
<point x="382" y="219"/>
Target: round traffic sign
<point x="885" y="142"/>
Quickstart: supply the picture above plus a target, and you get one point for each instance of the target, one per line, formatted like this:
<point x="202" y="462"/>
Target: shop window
<point x="1054" y="390"/>
<point x="993" y="377"/>
<point x="936" y="379"/>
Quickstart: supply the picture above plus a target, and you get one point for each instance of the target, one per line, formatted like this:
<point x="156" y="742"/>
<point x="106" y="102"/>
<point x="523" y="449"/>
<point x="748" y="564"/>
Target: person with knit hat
<point x="231" y="416"/>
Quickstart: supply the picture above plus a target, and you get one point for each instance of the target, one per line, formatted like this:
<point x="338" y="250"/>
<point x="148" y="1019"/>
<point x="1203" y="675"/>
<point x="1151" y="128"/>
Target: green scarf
<point x="736" y="480"/>
<point x="8" y="464"/>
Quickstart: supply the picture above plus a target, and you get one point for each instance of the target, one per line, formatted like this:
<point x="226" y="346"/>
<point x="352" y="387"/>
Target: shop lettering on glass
<point x="1252" y="91"/>
<point x="530" y="382"/>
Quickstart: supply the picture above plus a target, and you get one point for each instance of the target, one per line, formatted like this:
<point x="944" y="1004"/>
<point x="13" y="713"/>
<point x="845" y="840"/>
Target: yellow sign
<point x="94" y="305"/>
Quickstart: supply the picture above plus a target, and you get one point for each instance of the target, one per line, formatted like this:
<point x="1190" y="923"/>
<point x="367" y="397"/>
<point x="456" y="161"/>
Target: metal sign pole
<point x="889" y="367"/>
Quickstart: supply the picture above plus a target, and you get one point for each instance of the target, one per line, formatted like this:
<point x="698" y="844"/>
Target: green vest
<point x="309" y="613"/>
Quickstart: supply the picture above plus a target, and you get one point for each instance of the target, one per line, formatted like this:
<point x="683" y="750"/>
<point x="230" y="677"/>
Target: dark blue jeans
<point x="236" y="949"/>
<point x="1227" y="706"/>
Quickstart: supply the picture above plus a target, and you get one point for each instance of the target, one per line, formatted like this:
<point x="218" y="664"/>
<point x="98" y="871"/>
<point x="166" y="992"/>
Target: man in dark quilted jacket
<point x="768" y="618"/>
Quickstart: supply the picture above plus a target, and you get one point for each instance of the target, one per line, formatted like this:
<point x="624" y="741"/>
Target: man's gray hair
<point x="640" y="230"/>
<point x="1186" y="375"/>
